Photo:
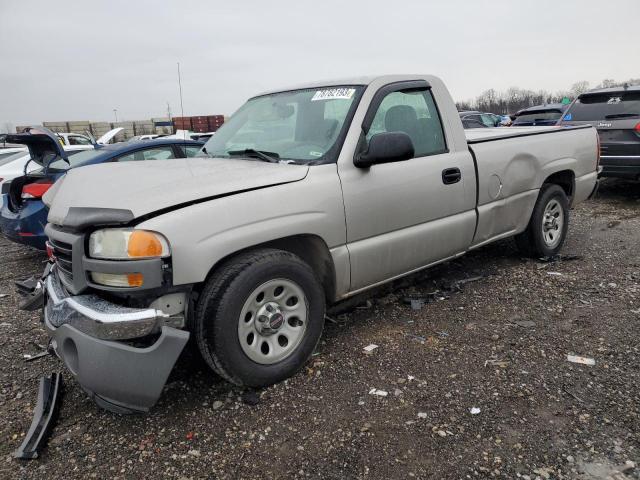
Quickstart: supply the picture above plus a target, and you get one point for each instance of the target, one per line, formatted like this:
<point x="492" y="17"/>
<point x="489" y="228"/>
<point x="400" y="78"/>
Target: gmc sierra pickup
<point x="306" y="196"/>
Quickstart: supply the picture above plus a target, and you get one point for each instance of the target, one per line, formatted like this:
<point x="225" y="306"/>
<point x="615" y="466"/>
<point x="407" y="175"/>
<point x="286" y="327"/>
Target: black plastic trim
<point x="44" y="416"/>
<point x="386" y="90"/>
<point x="79" y="218"/>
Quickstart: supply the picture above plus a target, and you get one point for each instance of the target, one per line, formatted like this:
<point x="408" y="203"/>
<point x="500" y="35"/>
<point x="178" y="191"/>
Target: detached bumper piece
<point x="86" y="333"/>
<point x="44" y="416"/>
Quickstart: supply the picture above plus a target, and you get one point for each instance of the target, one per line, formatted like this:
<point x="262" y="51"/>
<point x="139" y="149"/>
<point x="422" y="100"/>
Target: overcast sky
<point x="67" y="60"/>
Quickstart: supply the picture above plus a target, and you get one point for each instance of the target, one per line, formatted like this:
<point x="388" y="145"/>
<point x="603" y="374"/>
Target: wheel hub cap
<point x="269" y="319"/>
<point x="552" y="223"/>
<point x="273" y="321"/>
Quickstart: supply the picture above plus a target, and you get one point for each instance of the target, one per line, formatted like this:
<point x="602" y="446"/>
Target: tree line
<point x="514" y="99"/>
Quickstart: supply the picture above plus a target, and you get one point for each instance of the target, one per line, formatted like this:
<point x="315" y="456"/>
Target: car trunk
<point x="38" y="182"/>
<point x="44" y="148"/>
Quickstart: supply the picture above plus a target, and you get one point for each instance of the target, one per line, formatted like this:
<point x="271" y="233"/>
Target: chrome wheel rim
<point x="273" y="321"/>
<point x="552" y="223"/>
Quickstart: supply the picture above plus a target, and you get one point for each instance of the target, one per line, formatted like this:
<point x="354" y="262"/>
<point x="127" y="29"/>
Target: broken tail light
<point x="35" y="191"/>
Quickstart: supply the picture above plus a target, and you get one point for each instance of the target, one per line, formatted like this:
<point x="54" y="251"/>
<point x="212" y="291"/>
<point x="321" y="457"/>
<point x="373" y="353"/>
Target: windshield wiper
<point x="622" y="115"/>
<point x="271" y="157"/>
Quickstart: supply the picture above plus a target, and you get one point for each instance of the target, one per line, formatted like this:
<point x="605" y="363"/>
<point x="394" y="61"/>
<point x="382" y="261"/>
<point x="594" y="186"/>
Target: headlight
<point x="127" y="244"/>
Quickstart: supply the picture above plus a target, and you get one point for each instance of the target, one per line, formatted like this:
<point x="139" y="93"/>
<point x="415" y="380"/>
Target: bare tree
<point x="579" y="88"/>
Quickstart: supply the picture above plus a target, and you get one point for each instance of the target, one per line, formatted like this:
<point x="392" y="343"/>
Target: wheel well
<point x="565" y="179"/>
<point x="310" y="248"/>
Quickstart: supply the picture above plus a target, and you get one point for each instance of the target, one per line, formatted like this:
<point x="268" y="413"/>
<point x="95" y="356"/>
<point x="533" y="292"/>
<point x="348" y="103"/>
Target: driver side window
<point x="412" y="112"/>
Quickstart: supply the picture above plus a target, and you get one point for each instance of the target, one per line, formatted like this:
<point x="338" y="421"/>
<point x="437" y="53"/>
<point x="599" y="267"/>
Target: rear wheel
<point x="260" y="317"/>
<point x="549" y="224"/>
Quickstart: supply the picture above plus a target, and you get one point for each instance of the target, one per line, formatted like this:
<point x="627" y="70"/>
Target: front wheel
<point x="260" y="317"/>
<point x="549" y="224"/>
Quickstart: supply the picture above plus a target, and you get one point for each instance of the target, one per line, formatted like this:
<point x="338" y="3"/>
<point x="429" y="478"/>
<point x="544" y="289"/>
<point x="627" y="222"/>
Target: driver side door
<point x="403" y="216"/>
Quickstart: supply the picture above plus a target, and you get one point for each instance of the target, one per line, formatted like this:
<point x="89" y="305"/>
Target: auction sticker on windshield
<point x="333" y="93"/>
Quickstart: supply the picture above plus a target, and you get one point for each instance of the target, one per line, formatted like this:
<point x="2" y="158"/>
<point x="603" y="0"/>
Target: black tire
<point x="221" y="301"/>
<point x="531" y="242"/>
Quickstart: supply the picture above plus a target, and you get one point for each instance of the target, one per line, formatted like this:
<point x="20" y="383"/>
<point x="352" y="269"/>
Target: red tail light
<point x="637" y="128"/>
<point x="35" y="190"/>
<point x="50" y="252"/>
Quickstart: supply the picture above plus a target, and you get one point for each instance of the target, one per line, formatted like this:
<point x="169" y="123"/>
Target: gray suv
<point x="615" y="112"/>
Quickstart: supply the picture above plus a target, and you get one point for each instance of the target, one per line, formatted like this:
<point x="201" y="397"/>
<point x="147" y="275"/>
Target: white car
<point x="14" y="165"/>
<point x="8" y="152"/>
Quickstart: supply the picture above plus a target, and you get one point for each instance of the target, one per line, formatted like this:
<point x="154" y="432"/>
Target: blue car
<point x="23" y="215"/>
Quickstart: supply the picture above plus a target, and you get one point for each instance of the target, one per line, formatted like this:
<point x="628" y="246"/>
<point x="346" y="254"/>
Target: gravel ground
<point x="499" y="345"/>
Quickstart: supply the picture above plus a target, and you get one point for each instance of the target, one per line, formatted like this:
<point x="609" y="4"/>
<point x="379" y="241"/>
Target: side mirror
<point x="386" y="147"/>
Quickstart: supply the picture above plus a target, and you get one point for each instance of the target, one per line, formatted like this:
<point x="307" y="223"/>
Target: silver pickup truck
<point x="305" y="197"/>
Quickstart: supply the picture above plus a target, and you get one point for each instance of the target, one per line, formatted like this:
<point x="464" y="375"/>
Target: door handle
<point x="451" y="175"/>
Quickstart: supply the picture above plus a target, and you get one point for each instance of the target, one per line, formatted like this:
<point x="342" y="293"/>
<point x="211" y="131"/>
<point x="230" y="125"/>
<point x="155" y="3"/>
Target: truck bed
<point x="512" y="163"/>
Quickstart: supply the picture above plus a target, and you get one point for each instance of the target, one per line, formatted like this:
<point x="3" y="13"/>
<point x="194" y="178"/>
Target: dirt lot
<point x="499" y="345"/>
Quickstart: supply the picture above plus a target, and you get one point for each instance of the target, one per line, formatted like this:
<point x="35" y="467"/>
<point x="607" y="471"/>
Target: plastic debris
<point x="416" y="337"/>
<point x="370" y="348"/>
<point x="474" y="410"/>
<point x="555" y="274"/>
<point x="44" y="417"/>
<point x="494" y="362"/>
<point x="29" y="358"/>
<point x="380" y="393"/>
<point x="561" y="258"/>
<point x="422" y="415"/>
<point x="525" y="323"/>
<point x="581" y="360"/>
<point x="2" y="295"/>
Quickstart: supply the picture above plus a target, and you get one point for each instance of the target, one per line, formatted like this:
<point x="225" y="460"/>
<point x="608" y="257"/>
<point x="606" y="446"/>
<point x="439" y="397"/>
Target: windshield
<point x="300" y="125"/>
<point x="600" y="106"/>
<point x="539" y="116"/>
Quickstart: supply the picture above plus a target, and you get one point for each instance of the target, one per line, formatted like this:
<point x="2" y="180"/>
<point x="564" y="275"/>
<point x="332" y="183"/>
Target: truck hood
<point x="143" y="188"/>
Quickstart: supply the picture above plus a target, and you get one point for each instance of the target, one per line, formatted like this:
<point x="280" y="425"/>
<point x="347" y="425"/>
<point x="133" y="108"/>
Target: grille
<point x="63" y="253"/>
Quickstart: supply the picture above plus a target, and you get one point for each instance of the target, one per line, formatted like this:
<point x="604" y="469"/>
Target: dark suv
<point x="540" y="115"/>
<point x="615" y="112"/>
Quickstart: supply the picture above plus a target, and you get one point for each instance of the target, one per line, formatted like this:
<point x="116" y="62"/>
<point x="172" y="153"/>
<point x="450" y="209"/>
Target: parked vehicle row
<point x="305" y="197"/>
<point x="23" y="216"/>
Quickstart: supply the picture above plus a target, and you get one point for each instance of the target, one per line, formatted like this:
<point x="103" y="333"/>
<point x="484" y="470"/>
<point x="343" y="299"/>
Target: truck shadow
<point x="343" y="318"/>
<point x="622" y="191"/>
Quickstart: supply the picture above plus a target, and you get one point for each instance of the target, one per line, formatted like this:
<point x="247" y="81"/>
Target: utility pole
<point x="180" y="86"/>
<point x="115" y="112"/>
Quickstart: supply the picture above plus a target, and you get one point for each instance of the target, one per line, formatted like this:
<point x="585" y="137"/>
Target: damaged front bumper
<point x="87" y="333"/>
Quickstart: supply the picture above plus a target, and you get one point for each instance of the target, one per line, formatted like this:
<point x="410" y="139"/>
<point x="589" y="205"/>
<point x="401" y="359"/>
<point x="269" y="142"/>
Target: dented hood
<point x="144" y="188"/>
